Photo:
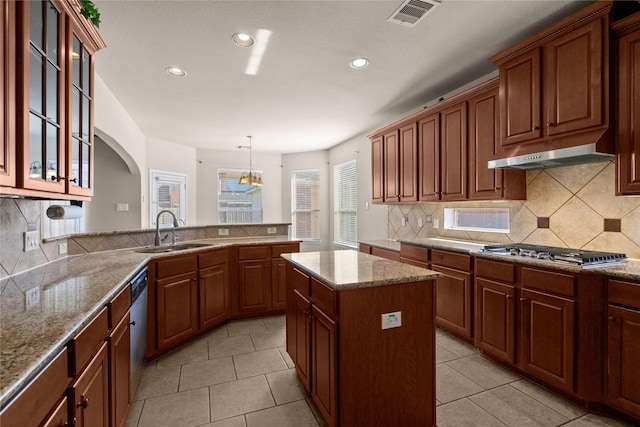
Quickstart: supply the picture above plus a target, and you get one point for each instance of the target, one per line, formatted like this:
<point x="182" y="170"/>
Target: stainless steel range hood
<point x="587" y="153"/>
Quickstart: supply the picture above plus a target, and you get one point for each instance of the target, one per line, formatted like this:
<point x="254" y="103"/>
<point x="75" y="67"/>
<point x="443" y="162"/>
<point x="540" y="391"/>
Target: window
<point x="305" y="204"/>
<point x="345" y="225"/>
<point x="238" y="203"/>
<point x="168" y="191"/>
<point x="490" y="220"/>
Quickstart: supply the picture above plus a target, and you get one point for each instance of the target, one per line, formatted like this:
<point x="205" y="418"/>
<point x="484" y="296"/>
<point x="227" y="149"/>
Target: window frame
<point x="338" y="197"/>
<point x="219" y="188"/>
<point x="168" y="176"/>
<point x="293" y="174"/>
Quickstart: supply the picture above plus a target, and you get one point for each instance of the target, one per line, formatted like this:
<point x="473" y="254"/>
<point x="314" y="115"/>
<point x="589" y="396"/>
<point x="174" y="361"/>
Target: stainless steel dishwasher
<point x="138" y="325"/>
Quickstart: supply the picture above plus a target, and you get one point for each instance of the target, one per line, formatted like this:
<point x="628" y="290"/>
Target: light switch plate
<point x="31" y="240"/>
<point x="223" y="231"/>
<point x="392" y="320"/>
<point x="272" y="230"/>
<point x="33" y="297"/>
<point x="62" y="249"/>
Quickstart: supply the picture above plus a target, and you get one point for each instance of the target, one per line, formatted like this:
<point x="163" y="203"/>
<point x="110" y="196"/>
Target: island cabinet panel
<point x="628" y="105"/>
<point x="623" y="369"/>
<point x="377" y="170"/>
<point x="301" y="344"/>
<point x="324" y="336"/>
<point x="495" y="319"/>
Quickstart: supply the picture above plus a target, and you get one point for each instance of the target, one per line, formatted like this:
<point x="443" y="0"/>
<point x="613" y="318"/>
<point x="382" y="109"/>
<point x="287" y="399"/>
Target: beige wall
<point x="576" y="199"/>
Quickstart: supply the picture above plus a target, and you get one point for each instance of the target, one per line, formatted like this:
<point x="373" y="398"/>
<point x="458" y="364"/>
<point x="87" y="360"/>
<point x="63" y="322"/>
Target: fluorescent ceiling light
<point x="175" y="71"/>
<point x="359" y="63"/>
<point x="262" y="40"/>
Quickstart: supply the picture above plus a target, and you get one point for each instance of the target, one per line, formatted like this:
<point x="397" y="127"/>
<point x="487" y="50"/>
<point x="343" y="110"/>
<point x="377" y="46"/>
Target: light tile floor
<point x="239" y="375"/>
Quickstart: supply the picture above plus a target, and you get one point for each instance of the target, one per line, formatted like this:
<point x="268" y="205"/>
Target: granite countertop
<point x="350" y="269"/>
<point x="447" y="244"/>
<point x="393" y="245"/>
<point x="43" y="308"/>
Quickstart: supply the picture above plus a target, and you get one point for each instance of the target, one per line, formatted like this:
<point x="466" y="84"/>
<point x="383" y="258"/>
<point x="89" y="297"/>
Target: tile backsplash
<point x="572" y="206"/>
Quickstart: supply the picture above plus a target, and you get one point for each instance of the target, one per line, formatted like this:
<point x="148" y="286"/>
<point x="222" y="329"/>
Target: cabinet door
<point x="377" y="168"/>
<point x="301" y="348"/>
<point x="177" y="309"/>
<point x="90" y="392"/>
<point x="8" y="94"/>
<point x="628" y="115"/>
<point x="278" y="284"/>
<point x="484" y="140"/>
<point x="214" y="295"/>
<point x="254" y="285"/>
<point x="408" y="163"/>
<point x="453" y="153"/>
<point x="623" y="379"/>
<point x="391" y="162"/>
<point x="429" y="158"/>
<point x="119" y="371"/>
<point x="520" y="98"/>
<point x="547" y="338"/>
<point x="60" y="416"/>
<point x="80" y="135"/>
<point x="453" y="301"/>
<point x="324" y="341"/>
<point x="574" y="80"/>
<point x="42" y="120"/>
<point x="495" y="319"/>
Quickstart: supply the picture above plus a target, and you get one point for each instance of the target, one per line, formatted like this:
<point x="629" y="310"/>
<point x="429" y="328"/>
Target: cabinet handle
<point x="132" y="323"/>
<point x="508" y="296"/>
<point x="549" y="124"/>
<point x="612" y="319"/>
<point x="84" y="403"/>
<point x="73" y="180"/>
<point x="523" y="299"/>
<point x="535" y="128"/>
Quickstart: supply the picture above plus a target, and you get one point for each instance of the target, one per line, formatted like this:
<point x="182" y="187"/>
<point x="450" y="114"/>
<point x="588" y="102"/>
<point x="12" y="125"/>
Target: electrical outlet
<point x="31" y="240"/>
<point x="272" y="230"/>
<point x="122" y="207"/>
<point x="223" y="231"/>
<point x="429" y="219"/>
<point x="392" y="320"/>
<point x="419" y="222"/>
<point x="62" y="249"/>
<point x="33" y="297"/>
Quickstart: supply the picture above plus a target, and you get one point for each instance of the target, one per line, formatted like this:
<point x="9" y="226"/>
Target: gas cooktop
<point x="576" y="257"/>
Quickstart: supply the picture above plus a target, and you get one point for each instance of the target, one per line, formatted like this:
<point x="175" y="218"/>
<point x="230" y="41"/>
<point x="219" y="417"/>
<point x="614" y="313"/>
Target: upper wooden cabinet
<point x="441" y="153"/>
<point x="8" y="93"/>
<point x="554" y="85"/>
<point x="627" y="92"/>
<point x="50" y="154"/>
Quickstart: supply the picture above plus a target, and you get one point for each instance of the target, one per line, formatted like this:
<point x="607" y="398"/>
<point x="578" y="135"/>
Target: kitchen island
<point x="360" y="330"/>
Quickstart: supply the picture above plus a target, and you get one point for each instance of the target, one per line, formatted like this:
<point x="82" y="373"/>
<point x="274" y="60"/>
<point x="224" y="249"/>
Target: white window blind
<point x="167" y="191"/>
<point x="305" y="204"/>
<point x="345" y="225"/>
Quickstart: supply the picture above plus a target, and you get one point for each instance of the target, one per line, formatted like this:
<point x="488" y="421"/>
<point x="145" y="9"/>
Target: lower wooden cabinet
<point x="120" y="371"/>
<point x="495" y="319"/>
<point x="301" y="344"/>
<point x="90" y="392"/>
<point x="254" y="285"/>
<point x="60" y="416"/>
<point x="214" y="295"/>
<point x="177" y="309"/>
<point x="324" y="373"/>
<point x="623" y="347"/>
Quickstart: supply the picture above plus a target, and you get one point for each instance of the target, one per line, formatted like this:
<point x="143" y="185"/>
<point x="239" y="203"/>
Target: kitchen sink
<point x="171" y="248"/>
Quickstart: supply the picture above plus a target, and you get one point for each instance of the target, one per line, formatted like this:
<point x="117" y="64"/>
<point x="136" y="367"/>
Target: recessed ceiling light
<point x="175" y="71"/>
<point x="359" y="63"/>
<point x="243" y="40"/>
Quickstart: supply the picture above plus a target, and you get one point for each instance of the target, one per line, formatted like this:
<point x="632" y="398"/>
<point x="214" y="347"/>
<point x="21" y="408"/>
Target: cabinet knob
<point x="549" y="124"/>
<point x="612" y="319"/>
<point x="508" y="296"/>
<point x="132" y="323"/>
<point x="535" y="128"/>
<point x="523" y="299"/>
<point x="74" y="180"/>
<point x="84" y="403"/>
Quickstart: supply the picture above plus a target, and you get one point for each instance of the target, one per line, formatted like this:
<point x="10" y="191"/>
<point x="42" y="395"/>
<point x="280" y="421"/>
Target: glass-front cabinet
<point x="55" y="49"/>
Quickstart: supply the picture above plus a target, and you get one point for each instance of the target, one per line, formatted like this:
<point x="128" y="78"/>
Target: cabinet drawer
<point x="324" y="297"/>
<point x="285" y="248"/>
<point x="37" y="400"/>
<point x="385" y="253"/>
<point x="119" y="306"/>
<point x="554" y="282"/>
<point x="450" y="259"/>
<point x="253" y="252"/>
<point x="213" y="258"/>
<point x="298" y="281"/>
<point x="88" y="341"/>
<point x="416" y="253"/>
<point x="364" y="248"/>
<point x="501" y="271"/>
<point x="624" y="293"/>
<point x="175" y="266"/>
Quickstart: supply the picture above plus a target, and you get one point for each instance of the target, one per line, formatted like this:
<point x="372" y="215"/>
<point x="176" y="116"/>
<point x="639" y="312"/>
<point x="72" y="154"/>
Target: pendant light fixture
<point x="251" y="177"/>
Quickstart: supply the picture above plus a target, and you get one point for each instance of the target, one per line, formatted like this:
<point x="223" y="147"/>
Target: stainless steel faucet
<point x="173" y="229"/>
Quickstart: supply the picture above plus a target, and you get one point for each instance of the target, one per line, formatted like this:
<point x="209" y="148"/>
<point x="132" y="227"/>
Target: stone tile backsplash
<point x="575" y="200"/>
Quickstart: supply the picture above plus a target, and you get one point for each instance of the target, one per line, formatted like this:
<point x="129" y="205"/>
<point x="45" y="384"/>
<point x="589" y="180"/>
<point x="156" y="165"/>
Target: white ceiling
<point x="305" y="96"/>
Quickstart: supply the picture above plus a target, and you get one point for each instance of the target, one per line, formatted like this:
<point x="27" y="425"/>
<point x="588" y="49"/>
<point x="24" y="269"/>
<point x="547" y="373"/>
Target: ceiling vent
<point x="411" y="12"/>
